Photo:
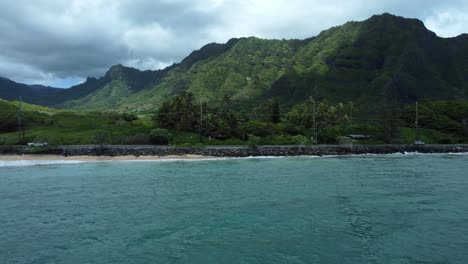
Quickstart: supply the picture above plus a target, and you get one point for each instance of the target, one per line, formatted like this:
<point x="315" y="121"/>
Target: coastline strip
<point x="47" y="157"/>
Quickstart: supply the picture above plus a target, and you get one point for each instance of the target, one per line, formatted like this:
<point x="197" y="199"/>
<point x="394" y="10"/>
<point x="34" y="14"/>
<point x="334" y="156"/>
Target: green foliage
<point x="137" y="139"/>
<point x="390" y="124"/>
<point x="178" y="113"/>
<point x="259" y="128"/>
<point x="253" y="141"/>
<point x="101" y="138"/>
<point x="299" y="140"/>
<point x="284" y="140"/>
<point x="330" y="135"/>
<point x="442" y="115"/>
<point x="326" y="115"/>
<point x="8" y="116"/>
<point x="219" y="120"/>
<point x="180" y="138"/>
<point x="51" y="141"/>
<point x="275" y="112"/>
<point x="160" y="136"/>
<point x="3" y="141"/>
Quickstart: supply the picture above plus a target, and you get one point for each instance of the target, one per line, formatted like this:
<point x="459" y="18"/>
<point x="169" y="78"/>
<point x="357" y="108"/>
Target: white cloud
<point x="147" y="63"/>
<point x="448" y="23"/>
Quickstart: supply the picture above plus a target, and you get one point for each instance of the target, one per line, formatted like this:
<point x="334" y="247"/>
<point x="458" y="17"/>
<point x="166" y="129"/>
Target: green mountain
<point x="385" y="59"/>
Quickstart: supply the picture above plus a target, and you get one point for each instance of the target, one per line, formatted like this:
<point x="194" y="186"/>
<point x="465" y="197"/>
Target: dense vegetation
<point x="360" y="78"/>
<point x="182" y="119"/>
<point x="69" y="127"/>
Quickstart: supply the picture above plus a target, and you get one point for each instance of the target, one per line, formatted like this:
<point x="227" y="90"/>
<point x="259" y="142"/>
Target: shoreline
<point x="8" y="160"/>
<point x="53" y="157"/>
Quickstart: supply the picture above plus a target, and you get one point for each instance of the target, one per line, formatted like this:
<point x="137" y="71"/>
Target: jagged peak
<point x="117" y="66"/>
<point x="117" y="72"/>
<point x="387" y="17"/>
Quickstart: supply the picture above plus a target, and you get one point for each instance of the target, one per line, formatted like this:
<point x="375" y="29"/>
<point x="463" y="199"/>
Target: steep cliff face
<point x="385" y="59"/>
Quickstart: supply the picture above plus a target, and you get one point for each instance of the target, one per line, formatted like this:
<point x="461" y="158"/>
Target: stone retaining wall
<point x="233" y="151"/>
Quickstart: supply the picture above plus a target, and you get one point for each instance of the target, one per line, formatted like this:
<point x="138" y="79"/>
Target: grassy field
<point x="67" y="127"/>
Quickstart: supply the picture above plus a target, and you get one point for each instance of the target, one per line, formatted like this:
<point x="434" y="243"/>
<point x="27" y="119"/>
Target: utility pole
<point x="201" y="120"/>
<point x="20" y="120"/>
<point x="314" y="118"/>
<point x="315" y="125"/>
<point x="417" y="123"/>
<point x="315" y="113"/>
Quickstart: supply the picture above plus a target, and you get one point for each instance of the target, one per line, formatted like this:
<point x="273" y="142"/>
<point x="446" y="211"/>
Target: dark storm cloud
<point x="50" y="45"/>
<point x="48" y="41"/>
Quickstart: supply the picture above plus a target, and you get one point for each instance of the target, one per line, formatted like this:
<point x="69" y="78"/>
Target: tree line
<point x="219" y="119"/>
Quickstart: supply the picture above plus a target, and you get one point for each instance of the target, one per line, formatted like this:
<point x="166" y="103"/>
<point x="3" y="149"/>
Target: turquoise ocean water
<point x="361" y="209"/>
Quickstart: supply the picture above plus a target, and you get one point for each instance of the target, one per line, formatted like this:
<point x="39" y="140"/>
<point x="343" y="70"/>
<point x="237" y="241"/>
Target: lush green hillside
<point x="385" y="59"/>
<point x="69" y="127"/>
<point x="381" y="61"/>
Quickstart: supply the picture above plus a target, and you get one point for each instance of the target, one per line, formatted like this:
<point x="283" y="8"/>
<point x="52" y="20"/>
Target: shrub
<point x="101" y="138"/>
<point x="129" y="117"/>
<point x="160" y="136"/>
<point x="445" y="140"/>
<point x="259" y="128"/>
<point x="329" y="135"/>
<point x="299" y="140"/>
<point x="51" y="141"/>
<point x="253" y="141"/>
<point x="138" y="139"/>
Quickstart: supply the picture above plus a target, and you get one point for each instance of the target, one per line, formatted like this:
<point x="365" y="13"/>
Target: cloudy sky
<point x="61" y="42"/>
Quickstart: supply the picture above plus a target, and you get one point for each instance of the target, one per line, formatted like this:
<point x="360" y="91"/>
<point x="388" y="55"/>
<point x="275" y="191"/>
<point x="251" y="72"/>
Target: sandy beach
<point x="97" y="158"/>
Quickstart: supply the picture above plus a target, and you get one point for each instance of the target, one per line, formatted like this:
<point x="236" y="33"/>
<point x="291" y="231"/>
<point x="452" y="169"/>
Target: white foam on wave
<point x="264" y="157"/>
<point x="458" y="153"/>
<point x="165" y="160"/>
<point x="29" y="163"/>
<point x="26" y="163"/>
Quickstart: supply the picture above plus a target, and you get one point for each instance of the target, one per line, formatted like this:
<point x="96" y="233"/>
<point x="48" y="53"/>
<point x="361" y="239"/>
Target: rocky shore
<point x="229" y="151"/>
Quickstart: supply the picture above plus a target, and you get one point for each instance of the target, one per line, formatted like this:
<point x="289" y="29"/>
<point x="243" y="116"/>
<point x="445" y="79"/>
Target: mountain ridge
<point x="384" y="59"/>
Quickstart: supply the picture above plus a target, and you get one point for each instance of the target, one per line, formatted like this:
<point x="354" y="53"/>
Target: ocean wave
<point x="27" y="163"/>
<point x="165" y="160"/>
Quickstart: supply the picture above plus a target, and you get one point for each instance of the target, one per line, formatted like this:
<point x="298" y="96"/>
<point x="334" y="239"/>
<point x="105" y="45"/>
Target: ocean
<point x="355" y="209"/>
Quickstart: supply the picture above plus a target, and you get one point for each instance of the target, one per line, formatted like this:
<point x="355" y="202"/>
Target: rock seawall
<point x="232" y="151"/>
